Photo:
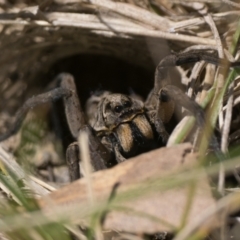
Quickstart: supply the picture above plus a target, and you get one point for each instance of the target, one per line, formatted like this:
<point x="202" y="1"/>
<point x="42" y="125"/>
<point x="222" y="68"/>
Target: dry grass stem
<point x="208" y="81"/>
<point x="43" y="184"/>
<point x="209" y="1"/>
<point x="198" y="67"/>
<point x="231" y="3"/>
<point x="201" y="224"/>
<point x="9" y="165"/>
<point x="210" y="22"/>
<point x="111" y="27"/>
<point x="76" y="231"/>
<point x="86" y="163"/>
<point x="227" y="120"/>
<point x="133" y="12"/>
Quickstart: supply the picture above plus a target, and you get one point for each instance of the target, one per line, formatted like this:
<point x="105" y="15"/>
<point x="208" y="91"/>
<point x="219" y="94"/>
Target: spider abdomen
<point x="125" y="137"/>
<point x="135" y="137"/>
<point x="143" y="126"/>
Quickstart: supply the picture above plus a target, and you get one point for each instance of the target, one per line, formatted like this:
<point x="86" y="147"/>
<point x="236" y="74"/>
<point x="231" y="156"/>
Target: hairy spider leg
<point x="163" y="85"/>
<point x="73" y="110"/>
<point x="72" y="156"/>
<point x="31" y="103"/>
<point x="76" y="122"/>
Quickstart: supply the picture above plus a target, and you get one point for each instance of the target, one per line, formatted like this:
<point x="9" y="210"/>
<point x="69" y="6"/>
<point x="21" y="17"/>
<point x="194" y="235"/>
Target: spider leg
<point x="159" y="112"/>
<point x="155" y="118"/>
<point x="72" y="158"/>
<point x="77" y="123"/>
<point x="73" y="110"/>
<point x="167" y="92"/>
<point x="118" y="154"/>
<point x="163" y="87"/>
<point x="178" y="96"/>
<point x="75" y="118"/>
<point x="161" y="73"/>
<point x="31" y="103"/>
<point x="98" y="155"/>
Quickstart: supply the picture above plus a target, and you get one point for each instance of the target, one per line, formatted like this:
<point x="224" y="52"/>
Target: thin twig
<point x="228" y="118"/>
<point x="236" y="102"/>
<point x="121" y="29"/>
<point x="220" y="84"/>
<point x="210" y="22"/>
<point x="43" y="184"/>
<point x="133" y="12"/>
<point x="198" y="67"/>
<point x="10" y="164"/>
<point x="199" y="21"/>
<point x="233" y="4"/>
<point x="201" y="222"/>
<point x="86" y="163"/>
<point x="208" y="81"/>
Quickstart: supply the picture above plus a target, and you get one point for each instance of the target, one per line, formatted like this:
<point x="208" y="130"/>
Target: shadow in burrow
<point x="97" y="72"/>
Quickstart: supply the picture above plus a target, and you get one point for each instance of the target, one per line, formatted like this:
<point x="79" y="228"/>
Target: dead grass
<point x="35" y="35"/>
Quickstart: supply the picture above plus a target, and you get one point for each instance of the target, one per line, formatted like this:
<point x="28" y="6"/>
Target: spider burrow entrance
<point x="124" y="125"/>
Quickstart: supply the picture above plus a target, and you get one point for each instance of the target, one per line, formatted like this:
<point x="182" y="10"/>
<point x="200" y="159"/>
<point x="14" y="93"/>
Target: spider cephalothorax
<point x="120" y="126"/>
<point x="122" y="121"/>
<point x="115" y="109"/>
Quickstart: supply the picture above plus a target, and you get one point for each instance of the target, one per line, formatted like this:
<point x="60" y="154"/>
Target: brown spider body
<point x="121" y="126"/>
<point x="136" y="137"/>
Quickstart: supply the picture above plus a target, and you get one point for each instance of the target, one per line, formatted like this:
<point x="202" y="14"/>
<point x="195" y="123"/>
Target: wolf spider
<point x="123" y="126"/>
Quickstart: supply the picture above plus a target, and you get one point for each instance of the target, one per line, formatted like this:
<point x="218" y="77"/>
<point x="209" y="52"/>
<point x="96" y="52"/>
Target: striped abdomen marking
<point x="125" y="137"/>
<point x="144" y="126"/>
<point x="127" y="133"/>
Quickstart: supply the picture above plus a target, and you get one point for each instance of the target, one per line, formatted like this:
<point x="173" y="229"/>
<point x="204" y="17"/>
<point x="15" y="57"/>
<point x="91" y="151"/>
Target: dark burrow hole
<point x="97" y="72"/>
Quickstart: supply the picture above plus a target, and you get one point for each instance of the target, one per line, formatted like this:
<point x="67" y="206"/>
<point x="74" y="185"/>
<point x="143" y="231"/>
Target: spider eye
<point x="118" y="109"/>
<point x="127" y="104"/>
